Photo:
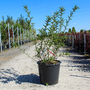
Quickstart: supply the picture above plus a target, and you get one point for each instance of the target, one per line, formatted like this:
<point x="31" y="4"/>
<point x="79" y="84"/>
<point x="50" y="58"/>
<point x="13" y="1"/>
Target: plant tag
<point x="51" y="52"/>
<point x="43" y="52"/>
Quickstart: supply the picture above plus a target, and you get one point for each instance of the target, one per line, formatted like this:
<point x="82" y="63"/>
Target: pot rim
<point x="44" y="64"/>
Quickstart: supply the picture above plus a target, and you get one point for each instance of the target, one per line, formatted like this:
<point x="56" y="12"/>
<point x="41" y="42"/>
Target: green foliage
<point x="81" y="30"/>
<point x="46" y="84"/>
<point x="21" y="22"/>
<point x="42" y="34"/>
<point x="69" y="30"/>
<point x="3" y="32"/>
<point x="89" y="31"/>
<point x="66" y="53"/>
<point x="14" y="45"/>
<point x="28" y="24"/>
<point x="3" y="35"/>
<point x="73" y="30"/>
<point x="51" y="36"/>
<point x="87" y="55"/>
<point x="9" y="20"/>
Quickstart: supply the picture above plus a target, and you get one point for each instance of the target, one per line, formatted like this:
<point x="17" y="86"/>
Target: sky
<point x="40" y="8"/>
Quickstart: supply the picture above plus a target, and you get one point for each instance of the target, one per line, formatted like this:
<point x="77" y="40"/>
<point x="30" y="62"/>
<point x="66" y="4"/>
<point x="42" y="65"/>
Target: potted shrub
<point x="3" y="37"/>
<point x="51" y="38"/>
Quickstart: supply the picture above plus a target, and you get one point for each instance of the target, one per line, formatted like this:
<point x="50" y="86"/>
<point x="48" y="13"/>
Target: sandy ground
<point x="10" y="53"/>
<point x="21" y="71"/>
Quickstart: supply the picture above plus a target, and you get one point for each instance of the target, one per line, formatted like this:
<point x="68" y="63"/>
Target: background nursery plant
<point x="52" y="36"/>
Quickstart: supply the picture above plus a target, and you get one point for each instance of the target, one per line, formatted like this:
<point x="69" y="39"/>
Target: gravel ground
<point x="21" y="71"/>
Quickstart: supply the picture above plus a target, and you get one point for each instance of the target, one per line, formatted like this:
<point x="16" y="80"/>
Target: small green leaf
<point x="46" y="84"/>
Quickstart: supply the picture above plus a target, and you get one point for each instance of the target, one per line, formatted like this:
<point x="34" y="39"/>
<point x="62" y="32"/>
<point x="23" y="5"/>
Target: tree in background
<point x="81" y="30"/>
<point x="29" y="25"/>
<point x="73" y="30"/>
<point x="3" y="32"/>
<point x="89" y="31"/>
<point x="21" y="22"/>
<point x="29" y="16"/>
<point x="9" y="20"/>
<point x="69" y="31"/>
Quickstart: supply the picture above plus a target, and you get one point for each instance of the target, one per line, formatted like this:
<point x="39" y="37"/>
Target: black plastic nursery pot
<point x="49" y="74"/>
<point x="3" y="47"/>
<point x="7" y="46"/>
<point x="22" y="42"/>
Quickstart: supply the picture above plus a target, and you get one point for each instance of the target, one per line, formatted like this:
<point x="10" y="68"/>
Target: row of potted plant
<point x="78" y="39"/>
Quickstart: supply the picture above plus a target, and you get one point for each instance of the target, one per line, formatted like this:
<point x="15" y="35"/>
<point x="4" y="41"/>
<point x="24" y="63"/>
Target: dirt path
<point x="10" y="53"/>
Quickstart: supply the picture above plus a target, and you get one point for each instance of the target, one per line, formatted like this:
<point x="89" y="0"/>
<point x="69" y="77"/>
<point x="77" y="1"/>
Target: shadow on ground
<point x="12" y="75"/>
<point x="32" y="78"/>
<point x="79" y="60"/>
<point x="79" y="76"/>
